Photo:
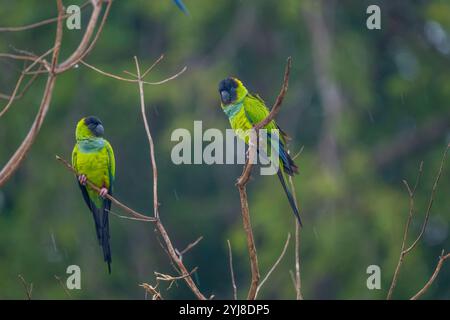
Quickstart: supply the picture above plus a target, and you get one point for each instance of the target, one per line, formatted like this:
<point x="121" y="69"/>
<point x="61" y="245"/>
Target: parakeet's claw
<point x="82" y="178"/>
<point x="103" y="192"/>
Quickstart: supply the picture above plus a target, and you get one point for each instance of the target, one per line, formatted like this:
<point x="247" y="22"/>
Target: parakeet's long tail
<point x="101" y="220"/>
<point x="288" y="167"/>
<point x="289" y="196"/>
<point x="105" y="233"/>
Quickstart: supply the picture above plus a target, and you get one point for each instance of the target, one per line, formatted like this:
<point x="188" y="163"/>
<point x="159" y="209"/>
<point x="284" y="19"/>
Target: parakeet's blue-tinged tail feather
<point x="181" y="6"/>
<point x="289" y="196"/>
<point x="105" y="233"/>
<point x="289" y="167"/>
<point x="93" y="209"/>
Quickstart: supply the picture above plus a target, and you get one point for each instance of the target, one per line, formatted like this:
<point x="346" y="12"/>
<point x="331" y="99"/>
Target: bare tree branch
<point x="28" y="287"/>
<point x="411" y="192"/>
<point x="297" y="279"/>
<point x="63" y="286"/>
<point x="233" y="280"/>
<point x="190" y="246"/>
<point x="274" y="265"/>
<point x="40" y="23"/>
<point x="172" y="279"/>
<point x="442" y="258"/>
<point x="132" y="80"/>
<point x="156" y="295"/>
<point x="14" y="95"/>
<point x="19" y="81"/>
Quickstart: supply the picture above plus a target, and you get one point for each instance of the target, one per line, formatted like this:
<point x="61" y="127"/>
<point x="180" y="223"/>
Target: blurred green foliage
<point x="395" y="84"/>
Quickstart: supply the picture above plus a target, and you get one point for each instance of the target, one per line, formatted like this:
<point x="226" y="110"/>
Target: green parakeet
<point x="244" y="110"/>
<point x="93" y="159"/>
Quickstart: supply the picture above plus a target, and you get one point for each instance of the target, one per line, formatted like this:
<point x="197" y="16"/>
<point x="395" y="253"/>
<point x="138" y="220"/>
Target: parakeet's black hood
<point x="95" y="125"/>
<point x="227" y="90"/>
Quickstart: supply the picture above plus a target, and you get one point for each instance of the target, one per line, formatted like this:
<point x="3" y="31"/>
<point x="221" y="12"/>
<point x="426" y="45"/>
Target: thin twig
<point x="99" y="30"/>
<point x="107" y="73"/>
<point x="298" y="153"/>
<point x="274" y="265"/>
<point x="152" y="66"/>
<point x="13" y="95"/>
<point x="167" y="277"/>
<point x="150" y="141"/>
<point x="19" y="57"/>
<point x="63" y="286"/>
<point x="156" y="295"/>
<point x="132" y="80"/>
<point x="128" y="218"/>
<point x="297" y="282"/>
<point x="442" y="258"/>
<point x="22" y="75"/>
<point x="233" y="280"/>
<point x="40" y="23"/>
<point x="28" y="288"/>
<point x="411" y="194"/>
<point x="172" y="279"/>
<point x="130" y="73"/>
<point x="22" y="93"/>
<point x="191" y="245"/>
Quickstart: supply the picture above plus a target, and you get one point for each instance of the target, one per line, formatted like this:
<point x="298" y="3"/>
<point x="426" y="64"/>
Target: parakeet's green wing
<point x="107" y="202"/>
<point x="82" y="188"/>
<point x="111" y="166"/>
<point x="256" y="110"/>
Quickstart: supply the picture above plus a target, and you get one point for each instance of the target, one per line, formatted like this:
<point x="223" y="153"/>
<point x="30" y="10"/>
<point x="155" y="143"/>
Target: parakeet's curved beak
<point x="225" y="96"/>
<point x="99" y="130"/>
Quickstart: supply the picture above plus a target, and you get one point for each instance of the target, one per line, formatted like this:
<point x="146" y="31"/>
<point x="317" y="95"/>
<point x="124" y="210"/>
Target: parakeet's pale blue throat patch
<point x="91" y="145"/>
<point x="232" y="109"/>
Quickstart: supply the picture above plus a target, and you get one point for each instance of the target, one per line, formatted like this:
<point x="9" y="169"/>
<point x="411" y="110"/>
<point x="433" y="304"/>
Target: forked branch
<point x="406" y="250"/>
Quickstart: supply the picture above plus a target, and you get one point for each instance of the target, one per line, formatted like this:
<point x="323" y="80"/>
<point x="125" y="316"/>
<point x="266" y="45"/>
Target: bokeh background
<point x="367" y="106"/>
